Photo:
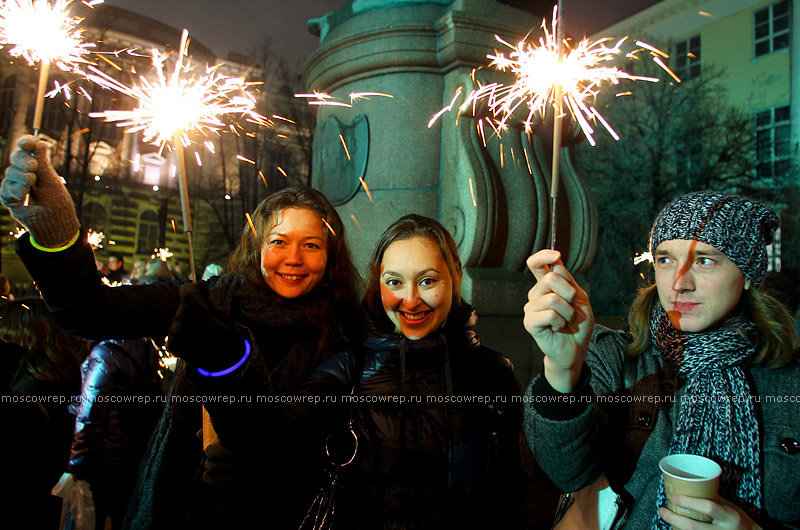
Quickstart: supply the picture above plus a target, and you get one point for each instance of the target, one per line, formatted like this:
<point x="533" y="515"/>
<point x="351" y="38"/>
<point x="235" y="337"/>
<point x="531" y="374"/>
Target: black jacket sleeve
<point x="70" y="285"/>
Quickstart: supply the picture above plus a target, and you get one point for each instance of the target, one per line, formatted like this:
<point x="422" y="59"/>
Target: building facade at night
<point x="127" y="188"/>
<point x="750" y="42"/>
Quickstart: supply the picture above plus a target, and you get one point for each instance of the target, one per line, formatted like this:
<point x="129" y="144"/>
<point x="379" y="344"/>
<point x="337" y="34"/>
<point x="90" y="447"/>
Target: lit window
<point x="773" y="142"/>
<point x="687" y="58"/>
<point x="771" y="28"/>
<point x="774" y="253"/>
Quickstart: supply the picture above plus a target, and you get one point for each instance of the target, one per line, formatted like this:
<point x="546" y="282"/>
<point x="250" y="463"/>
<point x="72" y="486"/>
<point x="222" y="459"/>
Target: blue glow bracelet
<point x="232" y="368"/>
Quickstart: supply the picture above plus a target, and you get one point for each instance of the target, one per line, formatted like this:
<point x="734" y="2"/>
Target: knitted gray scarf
<point x="717" y="417"/>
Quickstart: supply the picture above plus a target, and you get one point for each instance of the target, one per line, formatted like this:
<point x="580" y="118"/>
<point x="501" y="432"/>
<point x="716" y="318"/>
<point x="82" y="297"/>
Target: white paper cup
<point x="691" y="476"/>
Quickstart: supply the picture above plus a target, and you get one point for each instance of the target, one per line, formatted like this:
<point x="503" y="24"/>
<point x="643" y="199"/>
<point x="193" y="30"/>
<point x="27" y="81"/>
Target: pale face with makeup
<point x="698" y="286"/>
<point x="294" y="254"/>
<point x="416" y="286"/>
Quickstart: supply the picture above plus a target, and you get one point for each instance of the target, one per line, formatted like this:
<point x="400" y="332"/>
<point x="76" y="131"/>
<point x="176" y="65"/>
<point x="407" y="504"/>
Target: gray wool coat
<point x="623" y="433"/>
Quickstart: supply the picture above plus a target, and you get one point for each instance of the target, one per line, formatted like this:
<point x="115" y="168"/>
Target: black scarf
<point x="717" y="418"/>
<point x="287" y="338"/>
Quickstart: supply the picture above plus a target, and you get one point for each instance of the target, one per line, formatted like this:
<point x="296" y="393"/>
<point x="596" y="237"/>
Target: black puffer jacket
<point x="112" y="422"/>
<point x="438" y="421"/>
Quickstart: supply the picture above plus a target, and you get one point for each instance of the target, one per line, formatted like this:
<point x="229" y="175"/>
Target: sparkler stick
<point x="551" y="74"/>
<point x="558" y="100"/>
<point x="177" y="145"/>
<point x="44" y="73"/>
<point x="177" y="103"/>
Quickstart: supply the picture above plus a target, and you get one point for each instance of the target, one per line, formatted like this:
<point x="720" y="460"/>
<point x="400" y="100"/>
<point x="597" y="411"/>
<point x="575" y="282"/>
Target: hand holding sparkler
<point x="559" y="318"/>
<point x="49" y="214"/>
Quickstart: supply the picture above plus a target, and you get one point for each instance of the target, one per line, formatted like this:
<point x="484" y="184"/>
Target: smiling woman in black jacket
<point x="435" y="411"/>
<point x="293" y="291"/>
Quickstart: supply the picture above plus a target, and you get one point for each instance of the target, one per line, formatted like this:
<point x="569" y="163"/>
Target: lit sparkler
<point x="95" y="239"/>
<point x="161" y="253"/>
<point x="178" y="102"/>
<point x="43" y="33"/>
<point x="552" y="73"/>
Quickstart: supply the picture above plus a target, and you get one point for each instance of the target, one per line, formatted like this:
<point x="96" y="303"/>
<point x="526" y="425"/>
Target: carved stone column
<point x="491" y="193"/>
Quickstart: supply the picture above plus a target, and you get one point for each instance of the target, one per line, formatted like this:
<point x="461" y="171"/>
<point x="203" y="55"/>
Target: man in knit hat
<point x="709" y="367"/>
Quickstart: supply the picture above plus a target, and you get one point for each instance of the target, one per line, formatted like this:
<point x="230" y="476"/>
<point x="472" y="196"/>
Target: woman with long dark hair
<point x="292" y="296"/>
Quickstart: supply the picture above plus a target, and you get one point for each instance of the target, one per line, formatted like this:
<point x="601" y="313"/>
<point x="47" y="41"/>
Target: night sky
<point x="242" y="25"/>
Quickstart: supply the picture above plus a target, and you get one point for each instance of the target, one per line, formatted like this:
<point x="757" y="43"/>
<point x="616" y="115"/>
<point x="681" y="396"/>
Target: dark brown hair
<point x="405" y="228"/>
<point x="341" y="284"/>
<point x="51" y="354"/>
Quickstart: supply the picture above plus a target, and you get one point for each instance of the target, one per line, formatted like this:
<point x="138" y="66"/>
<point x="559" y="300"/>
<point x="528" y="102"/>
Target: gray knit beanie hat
<point x="738" y="227"/>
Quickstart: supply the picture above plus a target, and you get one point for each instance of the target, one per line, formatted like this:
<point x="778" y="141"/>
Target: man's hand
<point x="558" y="316"/>
<point x="49" y="214"/>
<point x="723" y="514"/>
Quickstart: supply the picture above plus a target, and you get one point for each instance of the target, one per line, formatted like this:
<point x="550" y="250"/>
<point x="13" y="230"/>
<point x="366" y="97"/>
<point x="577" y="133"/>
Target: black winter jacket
<point x="111" y="431"/>
<point x="438" y="421"/>
<point x="277" y="474"/>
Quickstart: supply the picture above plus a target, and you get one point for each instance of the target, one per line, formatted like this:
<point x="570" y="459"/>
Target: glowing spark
<point x="179" y="101"/>
<point x="95" y="239"/>
<point x="197" y="158"/>
<point x="446" y="109"/>
<point x="174" y="230"/>
<point x="705" y="14"/>
<point x="651" y="49"/>
<point x="366" y="188"/>
<point x="109" y="283"/>
<point x="109" y="61"/>
<point x="250" y="222"/>
<point x="329" y="226"/>
<point x="315" y="94"/>
<point x="353" y="217"/>
<point x="161" y="253"/>
<point x="210" y="146"/>
<point x="18" y="232"/>
<point x="26" y="307"/>
<point x="548" y="70"/>
<point x="243" y="159"/>
<point x="364" y="95"/>
<point x="528" y="162"/>
<point x="284" y="119"/>
<point x="660" y="63"/>
<point x="37" y="31"/>
<point x="263" y="178"/>
<point x="346" y="150"/>
<point x="644" y="256"/>
<point x="626" y="93"/>
<point x="282" y="172"/>
<point x="472" y="192"/>
<point x="78" y="133"/>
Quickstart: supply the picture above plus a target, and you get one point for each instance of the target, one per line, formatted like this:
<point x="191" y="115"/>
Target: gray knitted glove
<point x="50" y="215"/>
